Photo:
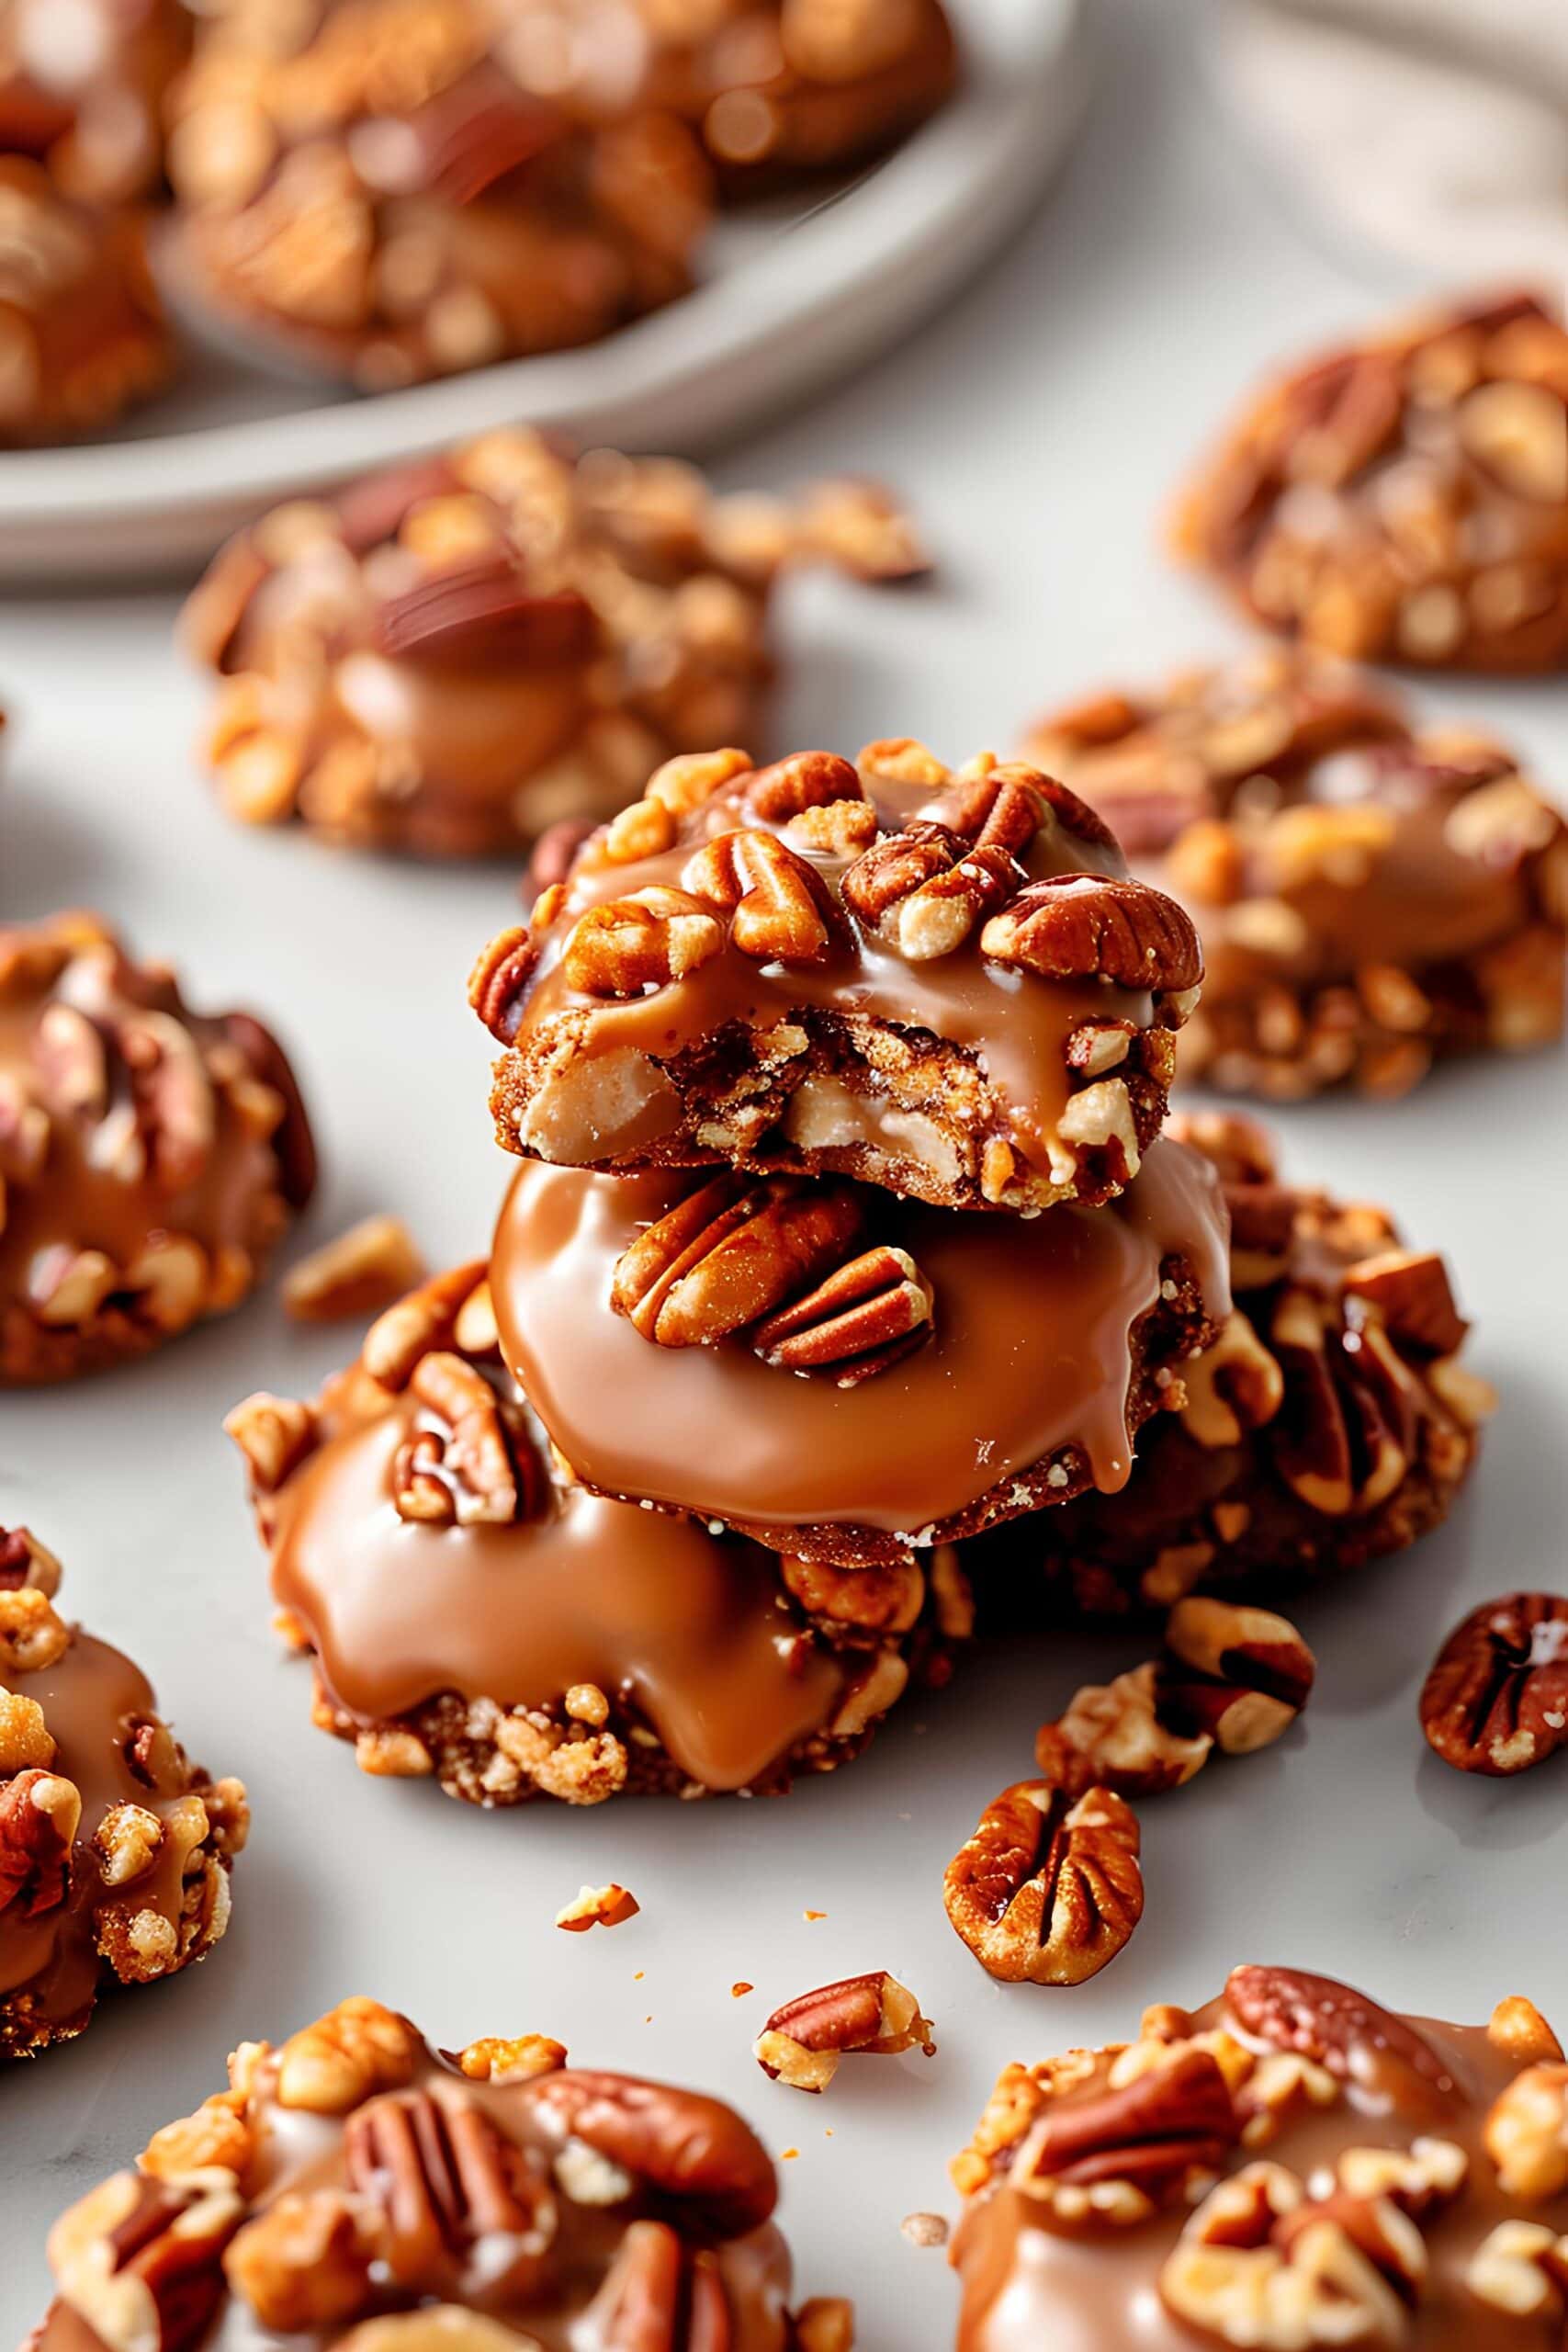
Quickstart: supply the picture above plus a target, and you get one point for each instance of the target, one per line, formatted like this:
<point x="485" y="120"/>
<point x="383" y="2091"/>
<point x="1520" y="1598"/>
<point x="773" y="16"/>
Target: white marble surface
<point x="1040" y="423"/>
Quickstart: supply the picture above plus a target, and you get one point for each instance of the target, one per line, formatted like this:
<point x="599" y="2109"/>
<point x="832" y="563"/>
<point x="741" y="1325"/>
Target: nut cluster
<point x="497" y="2176"/>
<point x="123" y="1876"/>
<point x="185" y="1129"/>
<point x="1404" y="500"/>
<point x="610" y="610"/>
<point x="376" y="185"/>
<point x="1267" y="2256"/>
<point x="81" y="337"/>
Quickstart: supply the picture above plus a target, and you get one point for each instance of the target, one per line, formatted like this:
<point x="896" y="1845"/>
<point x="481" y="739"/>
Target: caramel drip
<point x="1032" y="1351"/>
<point x="90" y="1696"/>
<point x="72" y="1202"/>
<point x="690" y="1630"/>
<point x="1015" y="1023"/>
<point x="1026" y="2285"/>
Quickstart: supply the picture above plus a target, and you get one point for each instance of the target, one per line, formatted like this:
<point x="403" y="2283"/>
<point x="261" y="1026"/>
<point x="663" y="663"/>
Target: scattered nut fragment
<point x="360" y="1273"/>
<point x="1045" y="1890"/>
<point x="863" y="2016"/>
<point x="599" y="1907"/>
<point x="924" y="2229"/>
<point x="1496" y="1699"/>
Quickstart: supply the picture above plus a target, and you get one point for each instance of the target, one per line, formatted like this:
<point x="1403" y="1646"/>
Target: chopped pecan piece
<point x="1527" y="2133"/>
<point x="1045" y="1890"/>
<point x="1410" y="1290"/>
<point x="356" y="2048"/>
<point x="40" y="1813"/>
<point x="1241" y="1675"/>
<point x="1496" y="1699"/>
<point x="804" y="780"/>
<point x="358" y="1274"/>
<point x="873" y="2015"/>
<point x="598" y="1906"/>
<point x="1114" y="1737"/>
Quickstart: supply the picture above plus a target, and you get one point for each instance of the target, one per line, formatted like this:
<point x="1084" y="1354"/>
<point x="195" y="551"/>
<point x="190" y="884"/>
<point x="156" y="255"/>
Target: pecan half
<point x="1350" y="2037"/>
<point x="1496" y="1699"/>
<point x="482" y="615"/>
<point x="443" y="2175"/>
<point x="872" y="2016"/>
<point x="1155" y="2131"/>
<point x="500" y="978"/>
<point x="779" y="911"/>
<point x="1071" y="926"/>
<point x="660" y="2295"/>
<point x="476" y="1463"/>
<point x="686" y="2147"/>
<point x="731" y="1253"/>
<point x="867" y="1314"/>
<point x="1045" y="1892"/>
<point x="1006" y="807"/>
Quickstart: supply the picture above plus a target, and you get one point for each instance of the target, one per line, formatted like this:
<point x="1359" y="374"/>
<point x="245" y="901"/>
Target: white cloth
<point x="1436" y="129"/>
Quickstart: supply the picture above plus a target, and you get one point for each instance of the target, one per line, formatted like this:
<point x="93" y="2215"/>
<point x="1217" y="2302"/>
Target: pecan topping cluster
<point x="189" y="1126"/>
<point x="607" y="609"/>
<point x="495" y="2181"/>
<point x="1274" y="2256"/>
<point x="1404" y="500"/>
<point x="776" y="1261"/>
<point x="124" y="1874"/>
<point x="809" y="868"/>
<point x="1339" y="1362"/>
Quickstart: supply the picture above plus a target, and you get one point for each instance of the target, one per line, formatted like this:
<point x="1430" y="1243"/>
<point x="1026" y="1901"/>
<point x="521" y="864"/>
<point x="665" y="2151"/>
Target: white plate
<point x="791" y="299"/>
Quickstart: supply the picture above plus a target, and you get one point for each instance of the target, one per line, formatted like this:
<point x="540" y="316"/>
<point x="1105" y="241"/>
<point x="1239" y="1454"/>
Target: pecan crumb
<point x="361" y="1272"/>
<point x="599" y="1907"/>
<point x="924" y="2229"/>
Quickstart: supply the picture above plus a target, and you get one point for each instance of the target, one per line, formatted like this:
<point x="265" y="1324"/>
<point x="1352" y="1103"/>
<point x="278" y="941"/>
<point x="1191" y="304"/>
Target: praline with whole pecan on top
<point x="1288" y="2165"/>
<point x="114" y="1850"/>
<point x="150" y="1156"/>
<point x="469" y="652"/>
<point x="367" y="187"/>
<point x="355" y="2185"/>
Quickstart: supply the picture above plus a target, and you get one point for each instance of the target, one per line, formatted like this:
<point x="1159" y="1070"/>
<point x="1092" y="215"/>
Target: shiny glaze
<point x="1032" y="1351"/>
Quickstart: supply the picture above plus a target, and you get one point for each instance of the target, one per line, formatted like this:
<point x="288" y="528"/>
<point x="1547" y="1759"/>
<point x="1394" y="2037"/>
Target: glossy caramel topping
<point x="1319" y="2076"/>
<point x="693" y="1632"/>
<point x="1033" y="1350"/>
